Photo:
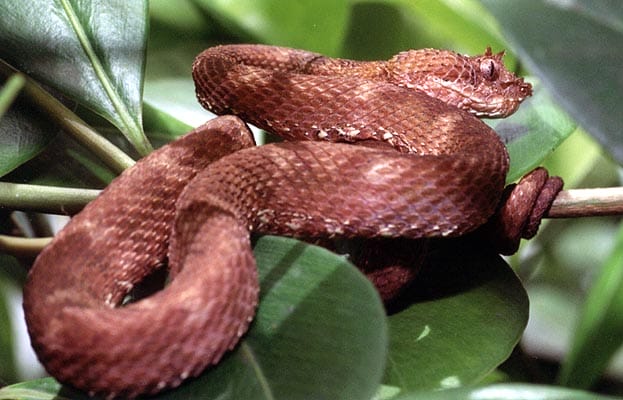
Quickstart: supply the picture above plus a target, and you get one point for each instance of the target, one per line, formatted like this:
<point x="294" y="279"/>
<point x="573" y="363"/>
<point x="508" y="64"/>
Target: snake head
<point x="480" y="84"/>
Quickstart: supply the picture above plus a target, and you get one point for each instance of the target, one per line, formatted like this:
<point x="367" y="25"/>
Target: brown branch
<point x="22" y="247"/>
<point x="587" y="203"/>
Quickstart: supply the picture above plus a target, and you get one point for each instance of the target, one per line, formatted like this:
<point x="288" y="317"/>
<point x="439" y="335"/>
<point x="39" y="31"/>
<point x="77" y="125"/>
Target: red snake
<point x="424" y="167"/>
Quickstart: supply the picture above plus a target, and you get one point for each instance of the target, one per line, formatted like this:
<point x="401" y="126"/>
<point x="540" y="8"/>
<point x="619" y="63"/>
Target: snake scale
<point x="424" y="166"/>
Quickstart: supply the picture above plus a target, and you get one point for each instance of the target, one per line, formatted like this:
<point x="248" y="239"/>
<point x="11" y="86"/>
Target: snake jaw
<point x="495" y="105"/>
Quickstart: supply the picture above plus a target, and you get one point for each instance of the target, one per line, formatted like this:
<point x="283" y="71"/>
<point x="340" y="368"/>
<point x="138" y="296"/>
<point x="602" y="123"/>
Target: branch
<point x="23" y="247"/>
<point x="587" y="203"/>
<point x="56" y="200"/>
<point x="568" y="204"/>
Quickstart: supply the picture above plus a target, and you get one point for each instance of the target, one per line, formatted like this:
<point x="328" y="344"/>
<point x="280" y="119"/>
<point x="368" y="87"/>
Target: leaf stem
<point x="110" y="154"/>
<point x="57" y="200"/>
<point x="23" y="247"/>
<point x="587" y="203"/>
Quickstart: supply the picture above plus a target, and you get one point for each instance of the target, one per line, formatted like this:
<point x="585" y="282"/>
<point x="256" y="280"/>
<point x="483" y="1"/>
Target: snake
<point x="371" y="149"/>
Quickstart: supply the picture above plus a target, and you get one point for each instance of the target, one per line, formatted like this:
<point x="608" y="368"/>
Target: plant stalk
<point x="51" y="199"/>
<point x="23" y="247"/>
<point x="568" y="204"/>
<point x="593" y="202"/>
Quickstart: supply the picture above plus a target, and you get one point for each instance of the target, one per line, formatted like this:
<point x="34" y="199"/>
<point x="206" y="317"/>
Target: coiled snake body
<point x="424" y="167"/>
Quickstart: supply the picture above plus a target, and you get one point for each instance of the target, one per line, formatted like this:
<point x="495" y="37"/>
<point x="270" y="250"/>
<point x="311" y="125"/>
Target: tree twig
<point x="573" y="203"/>
<point x="56" y="200"/>
<point x="22" y="247"/>
<point x="587" y="203"/>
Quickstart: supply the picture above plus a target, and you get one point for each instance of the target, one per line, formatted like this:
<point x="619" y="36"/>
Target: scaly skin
<point x="426" y="168"/>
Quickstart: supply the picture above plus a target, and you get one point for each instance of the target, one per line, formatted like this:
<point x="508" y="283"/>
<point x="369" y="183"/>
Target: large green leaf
<point x="506" y="392"/>
<point x="169" y="22"/>
<point x="600" y="329"/>
<point x="380" y="29"/>
<point x="313" y="25"/>
<point x="577" y="52"/>
<point x="533" y="132"/>
<point x="171" y="107"/>
<point x="91" y="51"/>
<point x="461" y="25"/>
<point x="21" y="137"/>
<point x="320" y="332"/>
<point x="40" y="389"/>
<point x="48" y="389"/>
<point x="470" y="312"/>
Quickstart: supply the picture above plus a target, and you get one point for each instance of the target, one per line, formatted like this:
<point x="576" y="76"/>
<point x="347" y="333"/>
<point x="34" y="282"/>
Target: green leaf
<point x="179" y="16"/>
<point x="600" y="329"/>
<point x="461" y="25"/>
<point x="39" y="389"/>
<point x="380" y="29"/>
<point x="533" y="132"/>
<point x="171" y="108"/>
<point x="369" y="36"/>
<point x="173" y="24"/>
<point x="91" y="51"/>
<point x="577" y="52"/>
<point x="161" y="127"/>
<point x="470" y="313"/>
<point x="10" y="91"/>
<point x="23" y="132"/>
<point x="313" y="25"/>
<point x="505" y="392"/>
<point x="320" y="332"/>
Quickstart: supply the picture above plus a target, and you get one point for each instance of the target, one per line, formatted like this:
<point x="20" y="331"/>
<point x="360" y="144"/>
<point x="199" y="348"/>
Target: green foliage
<point x="468" y="316"/>
<point x="506" y="392"/>
<point x="599" y="330"/>
<point x="320" y="331"/>
<point x="93" y="53"/>
<point x="576" y="51"/>
<point x="19" y="147"/>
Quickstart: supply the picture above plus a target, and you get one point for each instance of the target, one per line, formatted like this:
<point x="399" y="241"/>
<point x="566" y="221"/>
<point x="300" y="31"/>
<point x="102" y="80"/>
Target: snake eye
<point x="487" y="68"/>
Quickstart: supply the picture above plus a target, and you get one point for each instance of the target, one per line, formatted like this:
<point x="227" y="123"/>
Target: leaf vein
<point x="263" y="381"/>
<point x="133" y="132"/>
